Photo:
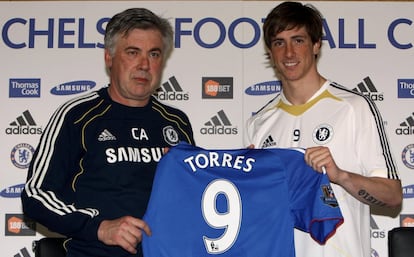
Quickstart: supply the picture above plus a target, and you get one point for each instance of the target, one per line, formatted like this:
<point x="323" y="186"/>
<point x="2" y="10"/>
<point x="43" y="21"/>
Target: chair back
<point x="49" y="247"/>
<point x="401" y="242"/>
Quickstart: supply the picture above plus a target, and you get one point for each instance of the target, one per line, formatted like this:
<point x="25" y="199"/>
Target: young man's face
<point x="136" y="67"/>
<point x="293" y="54"/>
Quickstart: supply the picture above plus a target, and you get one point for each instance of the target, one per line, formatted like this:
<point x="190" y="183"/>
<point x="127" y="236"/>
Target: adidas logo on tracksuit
<point x="106" y="136"/>
<point x="269" y="142"/>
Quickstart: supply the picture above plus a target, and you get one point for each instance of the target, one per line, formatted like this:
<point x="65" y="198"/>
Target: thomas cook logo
<point x="24" y="87"/>
<point x="368" y="89"/>
<point x="322" y="134"/>
<point x="73" y="87"/>
<point x="219" y="124"/>
<point x="21" y="155"/>
<point x="217" y="87"/>
<point x="405" y="88"/>
<point x="171" y="90"/>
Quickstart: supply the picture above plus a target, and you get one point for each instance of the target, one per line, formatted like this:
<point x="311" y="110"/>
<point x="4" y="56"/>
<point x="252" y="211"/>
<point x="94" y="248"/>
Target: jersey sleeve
<point x="373" y="145"/>
<point x="43" y="198"/>
<point x="313" y="203"/>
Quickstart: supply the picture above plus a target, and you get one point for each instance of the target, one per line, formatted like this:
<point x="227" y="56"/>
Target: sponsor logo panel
<point x="19" y="225"/>
<point x="219" y="124"/>
<point x="73" y="87"/>
<point x="376" y="231"/>
<point x="264" y="88"/>
<point x="24" y="87"/>
<point x="368" y="89"/>
<point x="405" y="88"/>
<point x="407" y="220"/>
<point x="406" y="127"/>
<point x="23" y="253"/>
<point x="12" y="191"/>
<point x="23" y="125"/>
<point x="217" y="88"/>
<point x="171" y="90"/>
<point x="408" y="191"/>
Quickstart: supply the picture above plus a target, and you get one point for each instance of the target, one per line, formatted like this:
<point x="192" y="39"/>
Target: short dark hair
<point x="289" y="15"/>
<point x="137" y="18"/>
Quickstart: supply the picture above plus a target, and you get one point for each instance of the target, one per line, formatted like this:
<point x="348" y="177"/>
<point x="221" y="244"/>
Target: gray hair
<point x="137" y="18"/>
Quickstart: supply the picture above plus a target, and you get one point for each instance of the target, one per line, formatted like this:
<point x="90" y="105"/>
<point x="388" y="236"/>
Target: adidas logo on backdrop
<point x="171" y="90"/>
<point x="24" y="125"/>
<point x="23" y="253"/>
<point x="368" y="89"/>
<point x="219" y="124"/>
<point x="407" y="126"/>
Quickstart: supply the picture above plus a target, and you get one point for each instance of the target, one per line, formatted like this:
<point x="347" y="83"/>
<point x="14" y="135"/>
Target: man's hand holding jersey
<point x="125" y="232"/>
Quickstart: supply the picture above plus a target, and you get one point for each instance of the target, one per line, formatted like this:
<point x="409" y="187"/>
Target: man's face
<point x="136" y="67"/>
<point x="293" y="54"/>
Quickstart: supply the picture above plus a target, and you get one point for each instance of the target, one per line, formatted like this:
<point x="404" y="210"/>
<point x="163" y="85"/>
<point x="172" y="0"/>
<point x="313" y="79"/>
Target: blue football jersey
<point x="238" y="202"/>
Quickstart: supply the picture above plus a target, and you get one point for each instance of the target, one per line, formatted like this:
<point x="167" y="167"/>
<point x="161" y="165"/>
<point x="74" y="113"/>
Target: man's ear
<point x="269" y="58"/>
<point x="108" y="59"/>
<point x="317" y="48"/>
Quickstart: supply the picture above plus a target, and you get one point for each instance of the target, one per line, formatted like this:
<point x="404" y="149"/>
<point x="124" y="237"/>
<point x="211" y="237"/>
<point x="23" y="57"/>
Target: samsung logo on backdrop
<point x="12" y="191"/>
<point x="264" y="88"/>
<point x="73" y="87"/>
<point x="22" y="32"/>
<point x="408" y="191"/>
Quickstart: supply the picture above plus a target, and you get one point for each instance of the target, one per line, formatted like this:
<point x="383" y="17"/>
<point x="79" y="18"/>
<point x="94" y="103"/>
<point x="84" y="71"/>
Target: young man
<point x="342" y="131"/>
<point x="92" y="173"/>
